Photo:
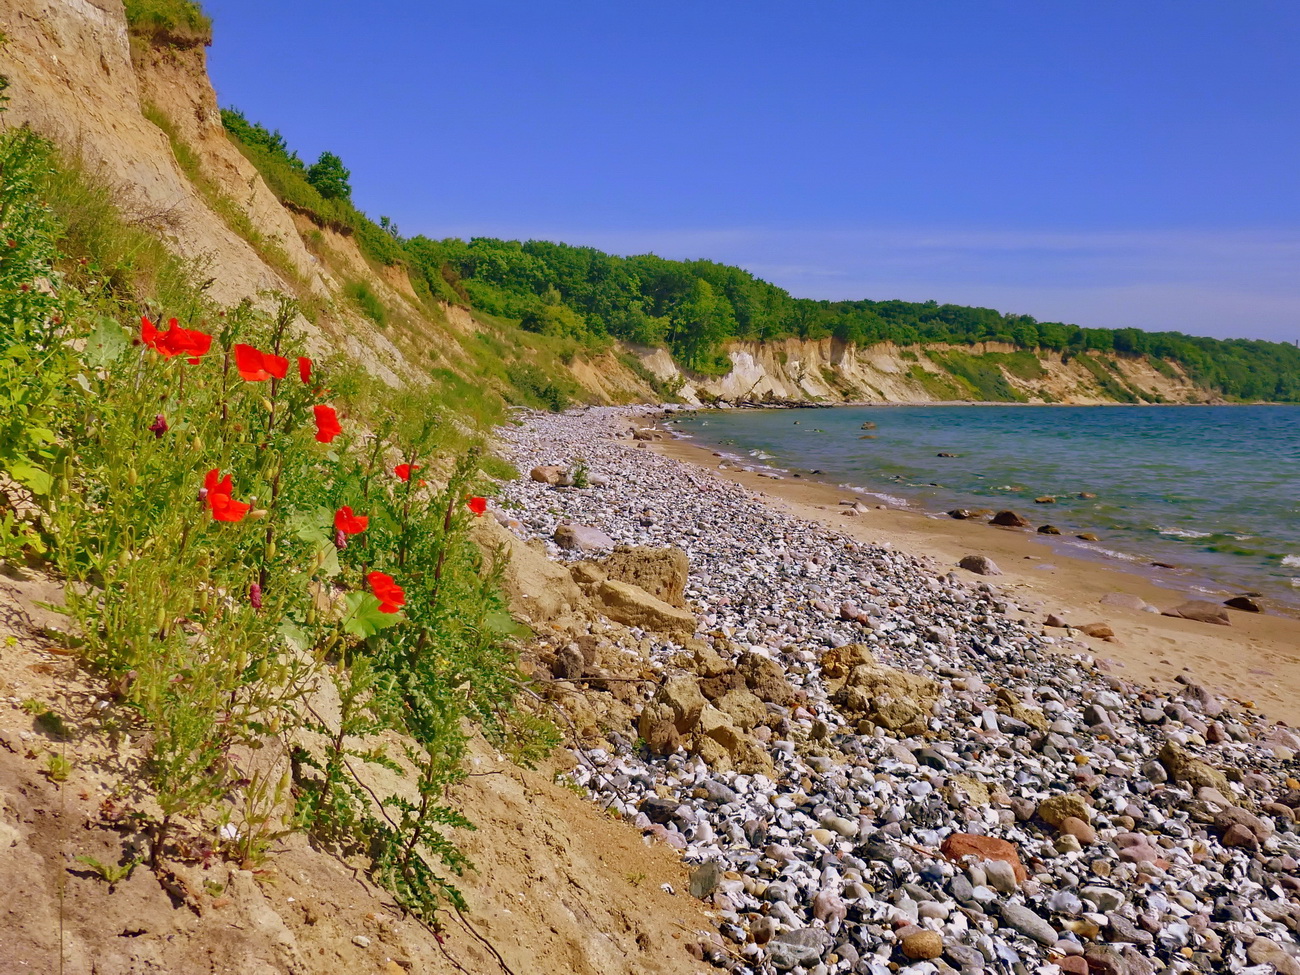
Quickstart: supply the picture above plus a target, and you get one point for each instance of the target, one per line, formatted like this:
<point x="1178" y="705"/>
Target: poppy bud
<point x="340" y="540"/>
<point x="255" y="596"/>
<point x="257" y="513"/>
<point x="266" y="404"/>
<point x="270" y="550"/>
<point x="262" y="667"/>
<point x="132" y="478"/>
<point x="196" y="444"/>
<point x="311" y="615"/>
<point x="160" y="618"/>
<point x="274" y="726"/>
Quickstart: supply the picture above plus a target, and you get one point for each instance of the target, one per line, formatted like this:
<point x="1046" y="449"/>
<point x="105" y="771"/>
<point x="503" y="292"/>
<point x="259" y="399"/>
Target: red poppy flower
<point x="404" y="471"/>
<point x="304" y="368"/>
<point x="175" y="341"/>
<point x="159" y="426"/>
<point x="327" y="423"/>
<point x="255" y="596"/>
<point x="391" y="596"/>
<point x="256" y="366"/>
<point x="219" y="501"/>
<point x="348" y="523"/>
<point x="477" y="505"/>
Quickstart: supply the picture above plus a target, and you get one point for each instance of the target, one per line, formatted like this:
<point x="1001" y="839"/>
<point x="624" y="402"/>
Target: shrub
<point x="179" y="23"/>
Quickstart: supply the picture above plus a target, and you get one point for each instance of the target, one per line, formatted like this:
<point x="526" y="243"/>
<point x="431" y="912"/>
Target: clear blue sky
<point x="1105" y="163"/>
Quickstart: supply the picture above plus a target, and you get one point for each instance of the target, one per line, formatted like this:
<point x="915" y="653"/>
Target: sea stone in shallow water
<point x="1009" y="519"/>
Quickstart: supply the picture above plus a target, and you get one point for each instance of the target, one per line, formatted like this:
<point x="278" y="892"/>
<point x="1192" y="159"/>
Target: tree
<point x="330" y="177"/>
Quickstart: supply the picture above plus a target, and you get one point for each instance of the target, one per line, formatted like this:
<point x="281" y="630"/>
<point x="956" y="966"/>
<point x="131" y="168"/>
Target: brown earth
<point x="557" y="887"/>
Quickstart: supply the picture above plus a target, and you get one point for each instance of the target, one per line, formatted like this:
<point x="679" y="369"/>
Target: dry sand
<point x="1255" y="660"/>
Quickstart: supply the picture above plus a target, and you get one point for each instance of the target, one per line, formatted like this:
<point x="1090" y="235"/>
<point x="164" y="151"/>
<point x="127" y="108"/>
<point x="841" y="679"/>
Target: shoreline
<point x="1147" y="647"/>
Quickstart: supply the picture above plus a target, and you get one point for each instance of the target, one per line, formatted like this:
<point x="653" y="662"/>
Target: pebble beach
<point x="876" y="762"/>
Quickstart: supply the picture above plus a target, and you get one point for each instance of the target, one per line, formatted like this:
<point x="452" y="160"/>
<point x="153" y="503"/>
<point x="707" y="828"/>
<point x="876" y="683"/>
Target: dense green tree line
<point x="693" y="307"/>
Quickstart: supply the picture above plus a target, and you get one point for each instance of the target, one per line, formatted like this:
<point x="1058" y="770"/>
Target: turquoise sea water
<point x="1215" y="491"/>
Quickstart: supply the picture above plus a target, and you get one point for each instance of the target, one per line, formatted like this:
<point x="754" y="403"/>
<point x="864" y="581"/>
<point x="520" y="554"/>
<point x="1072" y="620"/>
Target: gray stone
<point x="1022" y="919"/>
<point x="582" y="538"/>
<point x="804" y="946"/>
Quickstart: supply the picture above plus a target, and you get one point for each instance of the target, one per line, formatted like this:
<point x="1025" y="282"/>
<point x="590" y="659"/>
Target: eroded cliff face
<point x="830" y="371"/>
<point x="73" y="80"/>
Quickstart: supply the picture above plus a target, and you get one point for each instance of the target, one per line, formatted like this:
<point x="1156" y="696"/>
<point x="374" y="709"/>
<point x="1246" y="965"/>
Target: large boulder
<point x="1201" y="611"/>
<point x="765" y="679"/>
<point x="661" y="572"/>
<point x="582" y="538"/>
<point x="537" y="588"/>
<point x="1009" y="519"/>
<point x="876" y="695"/>
<point x="633" y="606"/>
<point x="547" y="474"/>
<point x="980" y="565"/>
<point x="1184" y="767"/>
<point x="682" y="698"/>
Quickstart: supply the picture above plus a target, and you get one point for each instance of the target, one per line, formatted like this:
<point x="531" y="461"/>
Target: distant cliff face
<point x="829" y="371"/>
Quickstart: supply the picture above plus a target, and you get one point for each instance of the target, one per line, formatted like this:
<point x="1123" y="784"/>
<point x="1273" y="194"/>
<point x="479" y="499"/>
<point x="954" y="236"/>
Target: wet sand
<point x="1255" y="660"/>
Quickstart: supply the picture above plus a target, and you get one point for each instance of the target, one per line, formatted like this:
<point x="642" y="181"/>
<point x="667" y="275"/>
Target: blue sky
<point x="1105" y="163"/>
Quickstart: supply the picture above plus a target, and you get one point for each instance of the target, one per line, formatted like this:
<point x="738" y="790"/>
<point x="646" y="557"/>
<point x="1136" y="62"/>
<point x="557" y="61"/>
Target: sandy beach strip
<point x="1255" y="660"/>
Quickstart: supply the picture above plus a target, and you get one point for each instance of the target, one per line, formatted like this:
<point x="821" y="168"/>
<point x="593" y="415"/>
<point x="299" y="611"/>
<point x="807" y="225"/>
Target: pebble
<point x="833" y="831"/>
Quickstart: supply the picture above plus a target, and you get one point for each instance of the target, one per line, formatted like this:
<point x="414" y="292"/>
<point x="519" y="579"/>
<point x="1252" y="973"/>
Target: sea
<point x="1213" y="492"/>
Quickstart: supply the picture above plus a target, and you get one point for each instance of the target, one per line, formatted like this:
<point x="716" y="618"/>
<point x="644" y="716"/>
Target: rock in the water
<point x="582" y="538"/>
<point x="1244" y="603"/>
<point x="1009" y="519"/>
<point x="961" y="514"/>
<point x="1200" y="611"/>
<point x="980" y="565"/>
<point x="1045" y="499"/>
<point x="1048" y="530"/>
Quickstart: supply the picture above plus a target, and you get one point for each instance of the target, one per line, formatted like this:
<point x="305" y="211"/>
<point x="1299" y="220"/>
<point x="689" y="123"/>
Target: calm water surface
<point x="1212" y="490"/>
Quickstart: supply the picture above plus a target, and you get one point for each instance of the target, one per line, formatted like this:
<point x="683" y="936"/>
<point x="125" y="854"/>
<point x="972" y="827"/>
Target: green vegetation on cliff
<point x="694" y="307"/>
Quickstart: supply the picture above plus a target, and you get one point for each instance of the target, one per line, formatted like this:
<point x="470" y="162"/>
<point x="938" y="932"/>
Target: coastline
<point x="1255" y="660"/>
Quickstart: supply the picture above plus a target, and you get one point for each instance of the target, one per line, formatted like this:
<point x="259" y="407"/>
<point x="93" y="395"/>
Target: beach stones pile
<point x="920" y="782"/>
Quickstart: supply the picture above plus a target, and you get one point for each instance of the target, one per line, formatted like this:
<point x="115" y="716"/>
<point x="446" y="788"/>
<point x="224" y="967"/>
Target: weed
<point x="110" y="873"/>
<point x="57" y="767"/>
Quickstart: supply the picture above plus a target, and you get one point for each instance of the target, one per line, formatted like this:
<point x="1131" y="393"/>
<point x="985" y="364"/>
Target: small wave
<point x="1112" y="553"/>
<point x="1291" y="560"/>
<point x="1183" y="533"/>
<point x="760" y="455"/>
<point x="1296" y="583"/>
